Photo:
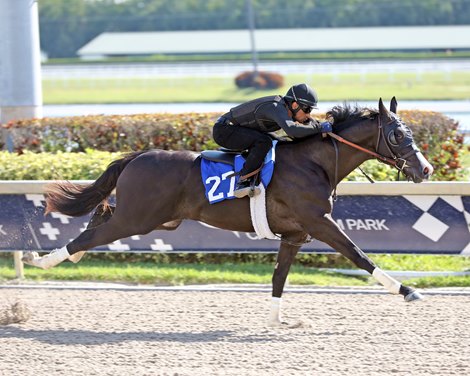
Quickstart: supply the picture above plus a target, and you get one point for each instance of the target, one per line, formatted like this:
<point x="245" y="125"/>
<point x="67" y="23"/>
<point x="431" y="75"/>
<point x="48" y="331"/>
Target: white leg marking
<point x="275" y="313"/>
<point x="47" y="261"/>
<point x="388" y="282"/>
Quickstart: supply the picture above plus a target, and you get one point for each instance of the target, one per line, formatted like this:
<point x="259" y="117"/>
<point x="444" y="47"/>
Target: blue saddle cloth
<point x="217" y="183"/>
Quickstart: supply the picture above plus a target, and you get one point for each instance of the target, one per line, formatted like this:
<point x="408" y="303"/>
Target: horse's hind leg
<point x="55" y="257"/>
<point x="114" y="229"/>
<point x="106" y="233"/>
<point x="102" y="214"/>
<point x="117" y="227"/>
<point x="327" y="230"/>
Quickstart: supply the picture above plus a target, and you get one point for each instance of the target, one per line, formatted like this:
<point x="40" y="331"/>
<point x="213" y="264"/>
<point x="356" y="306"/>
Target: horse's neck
<point x="363" y="134"/>
<point x="349" y="160"/>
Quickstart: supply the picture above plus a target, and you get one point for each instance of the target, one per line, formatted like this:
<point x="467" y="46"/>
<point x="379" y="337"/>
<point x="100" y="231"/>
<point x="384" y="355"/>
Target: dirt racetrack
<point x="115" y="332"/>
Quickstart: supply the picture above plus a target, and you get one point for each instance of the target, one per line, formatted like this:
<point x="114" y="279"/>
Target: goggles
<point x="306" y="109"/>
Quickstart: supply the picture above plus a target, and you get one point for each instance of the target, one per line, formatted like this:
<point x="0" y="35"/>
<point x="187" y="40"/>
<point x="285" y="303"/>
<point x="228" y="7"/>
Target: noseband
<point x="399" y="162"/>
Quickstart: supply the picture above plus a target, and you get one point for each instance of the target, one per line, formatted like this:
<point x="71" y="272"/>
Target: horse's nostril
<point x="428" y="170"/>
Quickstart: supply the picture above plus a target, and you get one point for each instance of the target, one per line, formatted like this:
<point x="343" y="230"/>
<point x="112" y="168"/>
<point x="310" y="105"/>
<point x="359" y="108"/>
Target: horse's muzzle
<point x="420" y="169"/>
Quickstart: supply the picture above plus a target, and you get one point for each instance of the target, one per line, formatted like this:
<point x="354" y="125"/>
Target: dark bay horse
<point x="156" y="190"/>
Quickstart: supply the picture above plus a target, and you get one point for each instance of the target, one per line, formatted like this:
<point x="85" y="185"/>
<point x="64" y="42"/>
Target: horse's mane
<point x="342" y="117"/>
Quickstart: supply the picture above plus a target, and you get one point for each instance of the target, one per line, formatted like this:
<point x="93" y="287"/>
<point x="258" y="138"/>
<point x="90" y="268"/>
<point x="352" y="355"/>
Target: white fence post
<point x="19" y="266"/>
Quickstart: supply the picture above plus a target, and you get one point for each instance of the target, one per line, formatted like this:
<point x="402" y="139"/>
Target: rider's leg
<point x="233" y="136"/>
<point x="257" y="143"/>
<point x="253" y="163"/>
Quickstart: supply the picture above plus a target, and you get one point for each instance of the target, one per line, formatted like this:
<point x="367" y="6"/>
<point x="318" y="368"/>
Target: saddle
<point x="228" y="156"/>
<point x="223" y="155"/>
<point x="220" y="173"/>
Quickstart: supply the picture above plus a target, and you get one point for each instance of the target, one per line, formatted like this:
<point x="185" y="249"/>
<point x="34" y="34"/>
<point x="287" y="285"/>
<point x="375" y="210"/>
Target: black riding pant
<point x="235" y="137"/>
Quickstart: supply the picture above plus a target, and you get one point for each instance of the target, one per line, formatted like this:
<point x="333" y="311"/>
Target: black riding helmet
<point x="304" y="95"/>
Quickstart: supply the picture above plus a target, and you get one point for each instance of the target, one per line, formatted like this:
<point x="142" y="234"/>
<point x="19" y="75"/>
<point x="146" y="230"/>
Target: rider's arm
<point x="293" y="128"/>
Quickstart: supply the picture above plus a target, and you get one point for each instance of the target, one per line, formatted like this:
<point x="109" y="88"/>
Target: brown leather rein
<point x="390" y="161"/>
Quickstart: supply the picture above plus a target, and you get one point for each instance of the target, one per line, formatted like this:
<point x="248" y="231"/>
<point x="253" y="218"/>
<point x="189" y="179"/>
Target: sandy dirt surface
<point x="112" y="332"/>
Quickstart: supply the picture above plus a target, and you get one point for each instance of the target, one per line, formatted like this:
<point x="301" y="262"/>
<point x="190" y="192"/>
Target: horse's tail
<point x="77" y="199"/>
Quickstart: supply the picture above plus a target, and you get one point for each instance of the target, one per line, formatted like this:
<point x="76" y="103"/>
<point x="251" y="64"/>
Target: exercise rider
<point x="246" y="127"/>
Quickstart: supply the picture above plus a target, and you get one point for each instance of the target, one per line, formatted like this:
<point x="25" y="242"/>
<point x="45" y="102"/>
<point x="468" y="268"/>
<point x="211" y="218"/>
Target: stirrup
<point x="250" y="190"/>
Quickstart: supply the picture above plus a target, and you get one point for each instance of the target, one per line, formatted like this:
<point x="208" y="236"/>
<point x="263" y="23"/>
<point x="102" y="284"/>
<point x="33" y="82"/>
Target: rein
<point x="390" y="161"/>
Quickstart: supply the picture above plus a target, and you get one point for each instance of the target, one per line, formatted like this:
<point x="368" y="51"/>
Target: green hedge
<point x="440" y="140"/>
<point x="54" y="166"/>
<point x="435" y="134"/>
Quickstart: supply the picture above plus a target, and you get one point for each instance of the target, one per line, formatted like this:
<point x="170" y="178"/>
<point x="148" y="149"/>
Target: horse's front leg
<point x="285" y="258"/>
<point x="327" y="231"/>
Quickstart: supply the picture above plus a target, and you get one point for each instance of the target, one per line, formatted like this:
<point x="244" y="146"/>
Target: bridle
<point x="397" y="161"/>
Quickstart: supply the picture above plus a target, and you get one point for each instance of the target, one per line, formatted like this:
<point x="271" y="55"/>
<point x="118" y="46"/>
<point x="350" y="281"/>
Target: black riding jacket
<point x="269" y="114"/>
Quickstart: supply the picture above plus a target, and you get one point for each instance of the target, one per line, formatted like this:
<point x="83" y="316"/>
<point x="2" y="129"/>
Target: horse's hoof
<point x="285" y="325"/>
<point x="76" y="257"/>
<point x="275" y="324"/>
<point x="299" y="324"/>
<point x="48" y="261"/>
<point x="413" y="296"/>
<point x="28" y="257"/>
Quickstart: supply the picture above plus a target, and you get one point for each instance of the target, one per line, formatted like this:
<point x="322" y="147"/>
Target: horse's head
<point x="395" y="141"/>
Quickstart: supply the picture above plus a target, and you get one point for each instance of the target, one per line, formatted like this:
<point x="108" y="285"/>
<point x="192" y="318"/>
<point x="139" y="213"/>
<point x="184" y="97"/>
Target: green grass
<point x="184" y="274"/>
<point x="331" y="87"/>
<point x="174" y="274"/>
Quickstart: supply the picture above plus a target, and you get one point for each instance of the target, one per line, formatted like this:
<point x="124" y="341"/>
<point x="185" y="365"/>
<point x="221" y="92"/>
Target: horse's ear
<point x="393" y="105"/>
<point x="382" y="110"/>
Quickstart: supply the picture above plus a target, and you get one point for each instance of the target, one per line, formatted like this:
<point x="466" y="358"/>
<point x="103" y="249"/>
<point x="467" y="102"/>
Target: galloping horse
<point x="156" y="190"/>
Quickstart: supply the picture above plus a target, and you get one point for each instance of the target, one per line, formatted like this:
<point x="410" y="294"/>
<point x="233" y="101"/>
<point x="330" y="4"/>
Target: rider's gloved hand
<point x="326" y="127"/>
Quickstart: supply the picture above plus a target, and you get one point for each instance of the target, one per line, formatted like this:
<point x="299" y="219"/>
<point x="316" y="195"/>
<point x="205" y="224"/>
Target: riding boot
<point x="242" y="188"/>
<point x="246" y="187"/>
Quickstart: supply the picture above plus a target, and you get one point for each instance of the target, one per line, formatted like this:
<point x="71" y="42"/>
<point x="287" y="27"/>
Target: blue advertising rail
<point x="391" y="217"/>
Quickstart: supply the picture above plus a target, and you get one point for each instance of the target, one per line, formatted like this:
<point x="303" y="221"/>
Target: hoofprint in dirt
<point x="112" y="332"/>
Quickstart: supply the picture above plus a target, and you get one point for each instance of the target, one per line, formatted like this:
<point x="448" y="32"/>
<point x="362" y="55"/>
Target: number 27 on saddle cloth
<point x="218" y="179"/>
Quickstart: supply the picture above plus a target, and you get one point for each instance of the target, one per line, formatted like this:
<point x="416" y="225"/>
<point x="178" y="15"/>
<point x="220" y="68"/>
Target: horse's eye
<point x="399" y="135"/>
<point x="396" y="136"/>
